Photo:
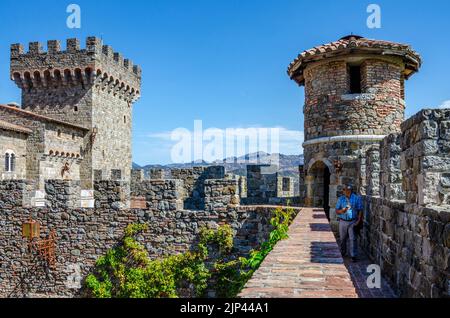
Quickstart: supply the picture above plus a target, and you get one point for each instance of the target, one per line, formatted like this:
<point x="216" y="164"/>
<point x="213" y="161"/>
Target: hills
<point x="287" y="164"/>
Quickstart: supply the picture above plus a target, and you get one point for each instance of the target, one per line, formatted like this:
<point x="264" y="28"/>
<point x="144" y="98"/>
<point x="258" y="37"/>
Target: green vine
<point x="233" y="275"/>
<point x="126" y="270"/>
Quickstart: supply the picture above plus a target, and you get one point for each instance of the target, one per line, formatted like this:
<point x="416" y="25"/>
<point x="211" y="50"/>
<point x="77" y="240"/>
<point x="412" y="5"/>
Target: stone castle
<point x="67" y="164"/>
<point x="76" y="108"/>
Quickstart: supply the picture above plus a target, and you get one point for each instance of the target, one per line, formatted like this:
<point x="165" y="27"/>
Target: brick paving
<point x="359" y="275"/>
<point x="309" y="265"/>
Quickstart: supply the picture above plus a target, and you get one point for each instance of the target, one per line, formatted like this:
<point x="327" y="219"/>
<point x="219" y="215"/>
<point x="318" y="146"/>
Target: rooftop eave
<point x="412" y="60"/>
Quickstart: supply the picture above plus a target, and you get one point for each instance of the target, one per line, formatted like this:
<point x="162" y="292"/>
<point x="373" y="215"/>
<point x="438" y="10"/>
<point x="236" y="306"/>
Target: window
<point x="10" y="162"/>
<point x="59" y="132"/>
<point x="73" y="136"/>
<point x="355" y="79"/>
<point x="286" y="184"/>
<point x="124" y="119"/>
<point x="7" y="162"/>
<point x="75" y="109"/>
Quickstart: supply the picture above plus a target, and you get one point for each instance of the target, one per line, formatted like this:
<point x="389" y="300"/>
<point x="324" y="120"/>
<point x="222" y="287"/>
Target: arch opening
<point x="318" y="186"/>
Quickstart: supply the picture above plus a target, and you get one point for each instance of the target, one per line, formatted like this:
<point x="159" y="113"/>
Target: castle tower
<point x="354" y="97"/>
<point x="92" y="87"/>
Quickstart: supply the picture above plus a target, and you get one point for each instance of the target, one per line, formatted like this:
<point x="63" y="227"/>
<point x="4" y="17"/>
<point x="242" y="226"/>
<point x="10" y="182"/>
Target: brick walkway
<point x="309" y="264"/>
<point x="359" y="275"/>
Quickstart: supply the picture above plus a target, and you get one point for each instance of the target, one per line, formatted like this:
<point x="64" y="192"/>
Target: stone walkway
<point x="309" y="265"/>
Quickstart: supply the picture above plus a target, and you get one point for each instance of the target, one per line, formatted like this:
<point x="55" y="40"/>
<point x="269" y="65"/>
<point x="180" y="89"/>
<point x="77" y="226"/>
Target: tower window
<point x="286" y="184"/>
<point x="10" y="162"/>
<point x="124" y="119"/>
<point x="355" y="79"/>
<point x="59" y="132"/>
<point x="75" y="109"/>
<point x="7" y="162"/>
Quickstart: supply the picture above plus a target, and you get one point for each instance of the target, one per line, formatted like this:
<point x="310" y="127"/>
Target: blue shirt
<point x="355" y="203"/>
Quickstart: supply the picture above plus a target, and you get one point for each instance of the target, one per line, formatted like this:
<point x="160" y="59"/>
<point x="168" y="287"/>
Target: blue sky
<point x="224" y="61"/>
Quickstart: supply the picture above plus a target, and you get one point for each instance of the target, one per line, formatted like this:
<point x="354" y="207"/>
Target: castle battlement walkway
<point x="309" y="264"/>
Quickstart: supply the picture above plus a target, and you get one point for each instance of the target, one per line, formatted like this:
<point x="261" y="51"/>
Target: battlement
<point x="95" y="65"/>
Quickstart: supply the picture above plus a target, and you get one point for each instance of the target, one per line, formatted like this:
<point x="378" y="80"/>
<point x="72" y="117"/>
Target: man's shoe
<point x="354" y="259"/>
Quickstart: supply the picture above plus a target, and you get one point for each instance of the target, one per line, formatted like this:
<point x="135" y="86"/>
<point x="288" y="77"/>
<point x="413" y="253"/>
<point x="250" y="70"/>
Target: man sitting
<point x="349" y="210"/>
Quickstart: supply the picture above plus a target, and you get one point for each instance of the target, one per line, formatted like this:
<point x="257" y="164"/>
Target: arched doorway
<point x="319" y="177"/>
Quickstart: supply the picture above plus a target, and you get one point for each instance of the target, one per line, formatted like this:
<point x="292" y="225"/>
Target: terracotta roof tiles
<point x="8" y="126"/>
<point x="346" y="44"/>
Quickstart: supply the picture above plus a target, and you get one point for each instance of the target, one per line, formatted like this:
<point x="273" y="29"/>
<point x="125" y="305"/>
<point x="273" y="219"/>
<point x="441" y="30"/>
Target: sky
<point x="224" y="62"/>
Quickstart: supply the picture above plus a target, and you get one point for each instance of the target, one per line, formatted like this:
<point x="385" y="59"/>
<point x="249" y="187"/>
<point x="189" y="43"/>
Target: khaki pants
<point x="346" y="233"/>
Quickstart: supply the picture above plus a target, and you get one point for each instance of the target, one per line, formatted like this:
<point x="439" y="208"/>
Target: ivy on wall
<point x="126" y="270"/>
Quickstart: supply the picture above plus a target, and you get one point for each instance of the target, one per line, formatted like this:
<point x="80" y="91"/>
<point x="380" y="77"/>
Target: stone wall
<point x="84" y="235"/>
<point x="373" y="171"/>
<point x="330" y="109"/>
<point x="16" y="143"/>
<point x="49" y="147"/>
<point x="411" y="244"/>
<point x="221" y="194"/>
<point x="265" y="185"/>
<point x="194" y="183"/>
<point x="162" y="195"/>
<point x="93" y="87"/>
<point x="391" y="174"/>
<point x="409" y="235"/>
<point x="425" y="158"/>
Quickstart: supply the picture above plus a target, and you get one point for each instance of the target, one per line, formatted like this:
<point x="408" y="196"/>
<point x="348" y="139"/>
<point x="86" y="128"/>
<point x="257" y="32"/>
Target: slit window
<point x="355" y="79"/>
<point x="286" y="184"/>
<point x="7" y="157"/>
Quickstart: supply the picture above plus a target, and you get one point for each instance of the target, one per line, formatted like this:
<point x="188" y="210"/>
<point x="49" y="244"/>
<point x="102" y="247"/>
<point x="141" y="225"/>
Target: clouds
<point x="445" y="104"/>
<point x="183" y="145"/>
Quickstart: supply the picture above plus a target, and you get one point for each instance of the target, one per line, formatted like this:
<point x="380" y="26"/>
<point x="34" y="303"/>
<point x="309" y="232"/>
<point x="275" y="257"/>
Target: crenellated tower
<point x="94" y="87"/>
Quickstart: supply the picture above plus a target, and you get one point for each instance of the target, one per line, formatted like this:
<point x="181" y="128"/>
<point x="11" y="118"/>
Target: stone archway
<point x="318" y="183"/>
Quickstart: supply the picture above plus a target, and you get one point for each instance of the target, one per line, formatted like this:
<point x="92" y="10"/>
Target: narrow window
<point x="402" y="87"/>
<point x="7" y="162"/>
<point x="355" y="79"/>
<point x="286" y="184"/>
<point x="124" y="119"/>
<point x="75" y="109"/>
<point x="73" y="136"/>
<point x="59" y="132"/>
<point x="12" y="163"/>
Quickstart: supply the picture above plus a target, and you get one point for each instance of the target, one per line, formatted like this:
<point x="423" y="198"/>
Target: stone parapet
<point x="425" y="157"/>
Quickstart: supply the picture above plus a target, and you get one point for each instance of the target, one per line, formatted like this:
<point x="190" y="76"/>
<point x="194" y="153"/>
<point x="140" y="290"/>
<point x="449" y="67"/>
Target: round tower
<point x="354" y="97"/>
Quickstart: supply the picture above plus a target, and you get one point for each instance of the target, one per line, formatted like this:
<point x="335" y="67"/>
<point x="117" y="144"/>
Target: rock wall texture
<point x="93" y="87"/>
<point x="265" y="185"/>
<point x="411" y="244"/>
<point x="12" y="142"/>
<point x="85" y="234"/>
<point x="49" y="147"/>
<point x="407" y="228"/>
<point x="332" y="110"/>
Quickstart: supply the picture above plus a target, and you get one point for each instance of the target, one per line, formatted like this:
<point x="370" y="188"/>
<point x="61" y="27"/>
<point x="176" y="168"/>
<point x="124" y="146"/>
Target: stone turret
<point x="354" y="97"/>
<point x="93" y="87"/>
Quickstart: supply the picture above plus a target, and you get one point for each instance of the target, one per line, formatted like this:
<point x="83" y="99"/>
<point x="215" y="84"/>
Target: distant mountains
<point x="288" y="164"/>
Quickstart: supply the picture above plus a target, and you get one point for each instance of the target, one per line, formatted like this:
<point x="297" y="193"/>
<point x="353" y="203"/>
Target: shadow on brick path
<point x="359" y="275"/>
<point x="309" y="264"/>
